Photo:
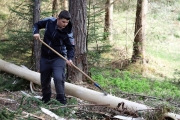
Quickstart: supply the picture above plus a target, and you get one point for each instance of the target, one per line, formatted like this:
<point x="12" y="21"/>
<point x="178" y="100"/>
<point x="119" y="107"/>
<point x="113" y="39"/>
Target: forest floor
<point x="25" y="107"/>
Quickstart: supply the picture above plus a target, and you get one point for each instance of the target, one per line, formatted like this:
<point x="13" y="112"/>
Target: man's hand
<point x="69" y="62"/>
<point x="37" y="36"/>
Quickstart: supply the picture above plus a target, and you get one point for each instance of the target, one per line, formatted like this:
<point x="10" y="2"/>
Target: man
<point x="58" y="35"/>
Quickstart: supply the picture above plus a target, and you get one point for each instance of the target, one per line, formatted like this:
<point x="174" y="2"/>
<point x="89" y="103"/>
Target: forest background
<point x="109" y="63"/>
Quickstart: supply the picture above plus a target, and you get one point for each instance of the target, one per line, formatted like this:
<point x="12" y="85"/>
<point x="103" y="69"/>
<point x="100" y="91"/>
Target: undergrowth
<point x="12" y="82"/>
<point x="133" y="83"/>
<point x="33" y="105"/>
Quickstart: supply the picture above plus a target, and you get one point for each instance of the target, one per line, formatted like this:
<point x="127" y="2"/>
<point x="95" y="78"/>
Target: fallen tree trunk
<point x="77" y="91"/>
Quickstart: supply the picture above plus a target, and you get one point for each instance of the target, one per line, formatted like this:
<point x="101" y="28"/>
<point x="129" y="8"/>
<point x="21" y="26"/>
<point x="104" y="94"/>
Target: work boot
<point x="46" y="98"/>
<point x="61" y="98"/>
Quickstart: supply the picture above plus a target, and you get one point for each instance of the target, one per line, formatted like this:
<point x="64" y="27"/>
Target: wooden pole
<point x="77" y="91"/>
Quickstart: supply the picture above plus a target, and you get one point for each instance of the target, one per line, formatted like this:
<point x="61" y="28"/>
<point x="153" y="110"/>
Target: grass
<point x="151" y="92"/>
<point x="132" y="83"/>
<point x="162" y="38"/>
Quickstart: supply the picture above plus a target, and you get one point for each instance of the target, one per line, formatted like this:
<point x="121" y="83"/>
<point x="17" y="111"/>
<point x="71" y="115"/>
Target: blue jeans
<point x="52" y="68"/>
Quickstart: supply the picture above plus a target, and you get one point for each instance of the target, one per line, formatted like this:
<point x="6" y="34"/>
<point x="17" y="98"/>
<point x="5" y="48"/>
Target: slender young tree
<point x="64" y="4"/>
<point x="78" y="10"/>
<point x="36" y="48"/>
<point x="108" y="19"/>
<point x="54" y="8"/>
<point x="139" y="39"/>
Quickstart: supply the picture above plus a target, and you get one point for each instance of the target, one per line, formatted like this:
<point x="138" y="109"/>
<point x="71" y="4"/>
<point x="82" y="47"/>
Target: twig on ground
<point x="31" y="87"/>
<point x="32" y="115"/>
<point x="79" y="106"/>
<point x="145" y="96"/>
<point x="48" y="112"/>
<point x="7" y="100"/>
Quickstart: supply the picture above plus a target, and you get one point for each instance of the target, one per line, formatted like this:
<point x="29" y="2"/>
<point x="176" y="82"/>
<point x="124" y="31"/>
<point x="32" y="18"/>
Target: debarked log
<point x="78" y="91"/>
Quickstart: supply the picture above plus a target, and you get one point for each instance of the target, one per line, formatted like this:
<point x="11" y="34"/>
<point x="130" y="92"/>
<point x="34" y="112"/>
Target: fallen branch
<point x="7" y="100"/>
<point x="31" y="87"/>
<point x="27" y="95"/>
<point x="48" y="112"/>
<point x="27" y="114"/>
<point x="79" y="105"/>
<point x="126" y="118"/>
<point x="32" y="115"/>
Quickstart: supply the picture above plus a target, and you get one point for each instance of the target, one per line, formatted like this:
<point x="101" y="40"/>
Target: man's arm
<point x="39" y="25"/>
<point x="70" y="46"/>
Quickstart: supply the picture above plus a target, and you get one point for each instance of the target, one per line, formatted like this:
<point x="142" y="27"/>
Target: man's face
<point x="62" y="23"/>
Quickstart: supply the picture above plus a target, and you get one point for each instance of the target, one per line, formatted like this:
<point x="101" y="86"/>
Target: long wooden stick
<point x="105" y="93"/>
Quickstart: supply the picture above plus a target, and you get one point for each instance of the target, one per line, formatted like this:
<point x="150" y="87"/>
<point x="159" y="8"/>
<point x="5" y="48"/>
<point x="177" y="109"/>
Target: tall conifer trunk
<point x="108" y="20"/>
<point x="54" y="8"/>
<point x="139" y="39"/>
<point x="78" y="10"/>
<point x="36" y="48"/>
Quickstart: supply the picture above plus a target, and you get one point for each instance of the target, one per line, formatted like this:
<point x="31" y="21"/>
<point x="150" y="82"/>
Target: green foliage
<point x="125" y="5"/>
<point x="3" y="16"/>
<point x="65" y="111"/>
<point x="6" y="115"/>
<point x="97" y="44"/>
<point x="29" y="104"/>
<point x="21" y="44"/>
<point x="95" y="26"/>
<point x="12" y="82"/>
<point x="177" y="34"/>
<point x="178" y="17"/>
<point x="176" y="76"/>
<point x="17" y="48"/>
<point x="127" y="82"/>
<point x="88" y="115"/>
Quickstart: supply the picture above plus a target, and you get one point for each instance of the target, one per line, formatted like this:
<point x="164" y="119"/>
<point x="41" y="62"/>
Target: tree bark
<point x="54" y="8"/>
<point x="139" y="39"/>
<point x="36" y="48"/>
<point x="78" y="12"/>
<point x="108" y="20"/>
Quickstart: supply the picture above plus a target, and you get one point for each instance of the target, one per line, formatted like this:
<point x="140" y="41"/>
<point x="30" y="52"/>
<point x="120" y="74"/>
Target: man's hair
<point x="64" y="14"/>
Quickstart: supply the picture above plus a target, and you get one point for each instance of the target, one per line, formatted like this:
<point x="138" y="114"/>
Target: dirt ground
<point x="16" y="101"/>
<point x="30" y="108"/>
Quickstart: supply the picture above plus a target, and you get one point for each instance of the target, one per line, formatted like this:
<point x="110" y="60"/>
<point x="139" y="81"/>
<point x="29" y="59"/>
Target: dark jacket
<point x="60" y="40"/>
